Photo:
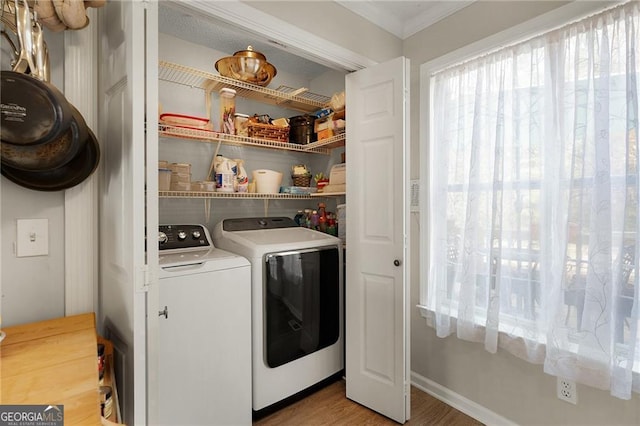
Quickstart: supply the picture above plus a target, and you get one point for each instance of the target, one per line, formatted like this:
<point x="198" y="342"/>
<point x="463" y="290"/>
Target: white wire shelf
<point x="327" y="194"/>
<point x="286" y="97"/>
<point x="241" y="195"/>
<point x="208" y="136"/>
<point x="329" y="143"/>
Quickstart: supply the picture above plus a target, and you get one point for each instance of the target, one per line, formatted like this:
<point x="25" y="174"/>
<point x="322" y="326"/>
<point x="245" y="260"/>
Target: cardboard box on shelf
<point x="329" y="126"/>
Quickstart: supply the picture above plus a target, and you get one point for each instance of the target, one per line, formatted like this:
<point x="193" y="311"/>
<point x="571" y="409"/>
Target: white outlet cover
<point x="32" y="237"/>
<point x="567" y="391"/>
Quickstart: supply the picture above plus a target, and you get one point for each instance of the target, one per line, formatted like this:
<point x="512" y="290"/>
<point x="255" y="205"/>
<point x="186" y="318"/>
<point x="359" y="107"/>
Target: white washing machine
<point x="204" y="353"/>
<point x="297" y="304"/>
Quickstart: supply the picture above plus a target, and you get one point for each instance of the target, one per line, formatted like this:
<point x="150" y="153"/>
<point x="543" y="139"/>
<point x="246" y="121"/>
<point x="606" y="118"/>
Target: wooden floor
<point x="329" y="406"/>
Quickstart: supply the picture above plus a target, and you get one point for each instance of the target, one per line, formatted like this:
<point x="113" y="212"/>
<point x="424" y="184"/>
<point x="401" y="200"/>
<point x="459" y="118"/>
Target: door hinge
<point x="144" y="280"/>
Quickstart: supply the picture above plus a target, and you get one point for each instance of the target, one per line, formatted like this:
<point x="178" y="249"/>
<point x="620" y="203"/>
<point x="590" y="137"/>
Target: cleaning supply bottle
<point x="242" y="179"/>
<point x="332" y="228"/>
<point x="322" y="217"/>
<point x="307" y="218"/>
<point x="225" y="175"/>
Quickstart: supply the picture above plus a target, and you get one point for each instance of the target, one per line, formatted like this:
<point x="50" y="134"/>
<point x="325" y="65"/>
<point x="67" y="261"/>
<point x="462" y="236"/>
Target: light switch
<point x="32" y="238"/>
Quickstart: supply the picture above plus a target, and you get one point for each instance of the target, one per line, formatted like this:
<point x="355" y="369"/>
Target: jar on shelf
<point x="242" y="124"/>
<point x="227" y="110"/>
<point x="101" y="359"/>
<point x="106" y="401"/>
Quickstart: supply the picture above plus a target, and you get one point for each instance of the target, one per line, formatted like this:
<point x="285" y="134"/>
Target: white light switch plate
<point x="32" y="237"/>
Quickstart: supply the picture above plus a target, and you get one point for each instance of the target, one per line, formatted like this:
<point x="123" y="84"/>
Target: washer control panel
<point x="173" y="237"/>
<point x="255" y="223"/>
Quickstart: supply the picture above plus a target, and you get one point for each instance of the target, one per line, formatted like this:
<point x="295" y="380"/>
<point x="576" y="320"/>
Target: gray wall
<point x="32" y="288"/>
<point x="504" y="384"/>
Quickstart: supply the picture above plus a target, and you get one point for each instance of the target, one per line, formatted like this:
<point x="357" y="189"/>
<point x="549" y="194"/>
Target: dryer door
<point x="302" y="303"/>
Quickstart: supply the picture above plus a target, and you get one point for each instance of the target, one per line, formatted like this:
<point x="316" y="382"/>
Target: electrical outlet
<point x="567" y="390"/>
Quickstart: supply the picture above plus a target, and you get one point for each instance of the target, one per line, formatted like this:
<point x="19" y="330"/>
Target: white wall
<point x="32" y="288"/>
<point x="503" y="384"/>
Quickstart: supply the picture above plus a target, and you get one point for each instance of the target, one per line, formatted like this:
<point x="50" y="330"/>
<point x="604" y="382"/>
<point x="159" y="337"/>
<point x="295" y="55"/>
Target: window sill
<point x="429" y="316"/>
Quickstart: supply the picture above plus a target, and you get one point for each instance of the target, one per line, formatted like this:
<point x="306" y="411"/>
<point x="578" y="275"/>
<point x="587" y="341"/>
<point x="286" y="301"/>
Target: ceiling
<point x="404" y="18"/>
<point x="228" y="38"/>
<point x="401" y="18"/>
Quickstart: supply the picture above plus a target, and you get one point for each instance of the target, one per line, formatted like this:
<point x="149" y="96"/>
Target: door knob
<point x="397" y="262"/>
<point x="164" y="313"/>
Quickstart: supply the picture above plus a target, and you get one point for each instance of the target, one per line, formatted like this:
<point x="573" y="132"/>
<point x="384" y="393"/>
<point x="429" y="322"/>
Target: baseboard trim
<point x="459" y="402"/>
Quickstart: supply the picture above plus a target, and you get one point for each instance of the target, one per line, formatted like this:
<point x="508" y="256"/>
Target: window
<point x="533" y="200"/>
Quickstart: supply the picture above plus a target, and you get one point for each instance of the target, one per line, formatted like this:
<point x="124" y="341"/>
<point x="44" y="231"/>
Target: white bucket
<point x="267" y="181"/>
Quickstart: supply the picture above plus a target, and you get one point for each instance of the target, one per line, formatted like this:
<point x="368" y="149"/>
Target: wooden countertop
<point x="53" y="362"/>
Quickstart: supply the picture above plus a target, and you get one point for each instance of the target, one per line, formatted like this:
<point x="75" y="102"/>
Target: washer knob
<point x="195" y="234"/>
<point x="182" y="235"/>
<point x="162" y="237"/>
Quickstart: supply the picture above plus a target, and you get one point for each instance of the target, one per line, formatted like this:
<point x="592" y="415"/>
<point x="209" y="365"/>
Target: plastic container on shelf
<point x="180" y="177"/>
<point x="164" y="179"/>
<point x="203" y="186"/>
<point x="241" y="122"/>
<point x="227" y="110"/>
<point x="184" y="168"/>
<point x="180" y="186"/>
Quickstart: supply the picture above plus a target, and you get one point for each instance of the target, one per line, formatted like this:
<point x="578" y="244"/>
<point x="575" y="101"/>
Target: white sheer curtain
<point x="534" y="200"/>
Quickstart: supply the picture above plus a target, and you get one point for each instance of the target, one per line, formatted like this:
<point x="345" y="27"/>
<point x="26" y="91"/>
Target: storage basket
<point x="269" y="132"/>
<point x="301" y="180"/>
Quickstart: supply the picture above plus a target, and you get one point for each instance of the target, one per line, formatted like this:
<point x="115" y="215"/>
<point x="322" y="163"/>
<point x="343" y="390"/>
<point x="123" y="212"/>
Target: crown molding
<point x="372" y="12"/>
<point x="419" y="22"/>
<point x="379" y="15"/>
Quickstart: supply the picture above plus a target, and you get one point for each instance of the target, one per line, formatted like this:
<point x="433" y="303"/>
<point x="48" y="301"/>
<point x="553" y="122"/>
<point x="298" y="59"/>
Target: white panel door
<point x="128" y="203"/>
<point x="377" y="291"/>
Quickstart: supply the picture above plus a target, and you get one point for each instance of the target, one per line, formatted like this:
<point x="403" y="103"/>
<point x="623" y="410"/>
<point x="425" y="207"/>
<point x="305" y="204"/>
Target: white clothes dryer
<point x="204" y="345"/>
<point x="297" y="304"/>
